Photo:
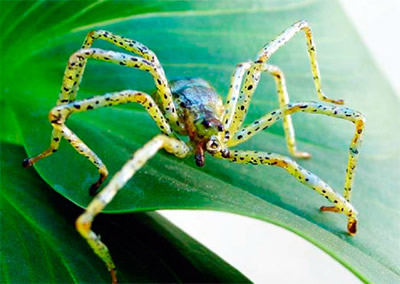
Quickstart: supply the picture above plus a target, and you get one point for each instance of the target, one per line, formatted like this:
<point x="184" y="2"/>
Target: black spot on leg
<point x="250" y="87"/>
<point x="77" y="106"/>
<point x="89" y="107"/>
<point x="355" y="151"/>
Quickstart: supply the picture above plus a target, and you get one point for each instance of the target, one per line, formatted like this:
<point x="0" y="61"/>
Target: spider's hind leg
<point x="238" y="103"/>
<point x="283" y="97"/>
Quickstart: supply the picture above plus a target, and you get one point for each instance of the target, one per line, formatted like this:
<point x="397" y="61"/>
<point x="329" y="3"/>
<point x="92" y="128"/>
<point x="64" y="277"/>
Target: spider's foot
<point x="301" y="155"/>
<point x="94" y="187"/>
<point x="333" y="101"/>
<point x="113" y="276"/>
<point x="352" y="226"/>
<point x="329" y="209"/>
<point x="27" y="163"/>
<point x="351" y="223"/>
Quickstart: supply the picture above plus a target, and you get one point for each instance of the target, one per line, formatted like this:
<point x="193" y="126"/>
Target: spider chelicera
<point x="190" y="106"/>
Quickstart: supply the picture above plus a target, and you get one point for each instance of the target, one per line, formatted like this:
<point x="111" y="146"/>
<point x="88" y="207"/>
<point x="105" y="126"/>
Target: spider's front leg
<point x="72" y="78"/>
<point x="341" y="204"/>
<point x="270" y="48"/>
<point x="140" y="157"/>
<point x="240" y="95"/>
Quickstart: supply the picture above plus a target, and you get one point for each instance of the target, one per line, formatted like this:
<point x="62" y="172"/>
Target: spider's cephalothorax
<point x="200" y="110"/>
<point x="190" y="106"/>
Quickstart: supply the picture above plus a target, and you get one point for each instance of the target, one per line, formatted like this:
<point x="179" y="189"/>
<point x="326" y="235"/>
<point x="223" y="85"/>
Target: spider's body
<point x="200" y="110"/>
<point x="190" y="106"/>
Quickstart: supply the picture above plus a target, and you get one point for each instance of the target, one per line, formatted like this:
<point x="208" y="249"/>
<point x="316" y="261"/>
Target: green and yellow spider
<point x="191" y="107"/>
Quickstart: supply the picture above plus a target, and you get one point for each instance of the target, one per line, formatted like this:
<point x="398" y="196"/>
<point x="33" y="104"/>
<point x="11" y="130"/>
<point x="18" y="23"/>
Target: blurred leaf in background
<point x="207" y="39"/>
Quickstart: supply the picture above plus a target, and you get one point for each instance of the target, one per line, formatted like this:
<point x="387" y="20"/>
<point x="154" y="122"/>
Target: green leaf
<point x="40" y="244"/>
<point x="9" y="125"/>
<point x="207" y="39"/>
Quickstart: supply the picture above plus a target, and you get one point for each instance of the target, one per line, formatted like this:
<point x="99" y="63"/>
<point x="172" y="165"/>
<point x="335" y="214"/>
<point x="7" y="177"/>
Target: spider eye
<point x="206" y="123"/>
<point x="220" y="127"/>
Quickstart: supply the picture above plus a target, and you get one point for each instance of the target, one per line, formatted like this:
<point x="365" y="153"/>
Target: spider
<point x="191" y="107"/>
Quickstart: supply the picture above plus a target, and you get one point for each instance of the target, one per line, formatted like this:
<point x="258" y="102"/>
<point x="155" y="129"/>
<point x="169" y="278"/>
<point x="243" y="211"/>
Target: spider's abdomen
<point x="196" y="100"/>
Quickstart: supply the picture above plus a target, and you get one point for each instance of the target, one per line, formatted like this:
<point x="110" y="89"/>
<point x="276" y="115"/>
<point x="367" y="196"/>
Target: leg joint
<point x="58" y="115"/>
<point x="83" y="224"/>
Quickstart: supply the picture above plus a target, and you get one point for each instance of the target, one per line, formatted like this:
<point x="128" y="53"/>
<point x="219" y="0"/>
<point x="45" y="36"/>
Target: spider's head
<point x="207" y="127"/>
<point x="208" y="131"/>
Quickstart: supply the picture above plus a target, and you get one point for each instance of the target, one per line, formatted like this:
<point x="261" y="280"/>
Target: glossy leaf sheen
<point x="38" y="231"/>
<point x="208" y="39"/>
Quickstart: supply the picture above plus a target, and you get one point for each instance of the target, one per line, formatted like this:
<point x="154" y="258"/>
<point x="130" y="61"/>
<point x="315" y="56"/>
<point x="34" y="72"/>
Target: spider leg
<point x="307" y="178"/>
<point x="59" y="114"/>
<point x="75" y="68"/>
<point x="123" y="42"/>
<point x="239" y="102"/>
<point x="140" y="157"/>
<point x="315" y="108"/>
<point x="311" y="107"/>
<point x="234" y="115"/>
<point x="267" y="51"/>
<point x="77" y="62"/>
<point x="287" y="119"/>
<point x="72" y="77"/>
<point x="129" y="45"/>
